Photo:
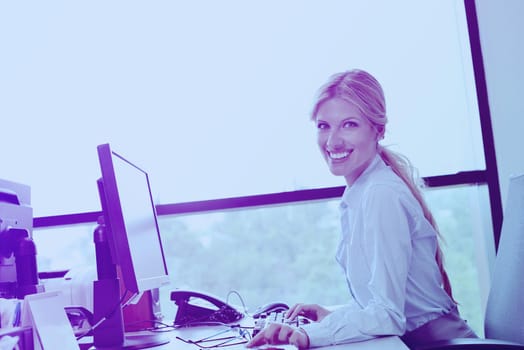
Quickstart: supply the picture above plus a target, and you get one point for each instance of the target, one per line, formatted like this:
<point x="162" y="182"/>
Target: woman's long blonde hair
<point x="363" y="90"/>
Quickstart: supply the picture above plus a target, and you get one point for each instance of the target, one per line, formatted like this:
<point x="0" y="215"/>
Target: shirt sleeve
<point x="387" y="250"/>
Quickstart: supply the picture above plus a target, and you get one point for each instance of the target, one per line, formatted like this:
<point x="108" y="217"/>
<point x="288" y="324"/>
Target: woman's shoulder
<point x="385" y="185"/>
<point x="384" y="178"/>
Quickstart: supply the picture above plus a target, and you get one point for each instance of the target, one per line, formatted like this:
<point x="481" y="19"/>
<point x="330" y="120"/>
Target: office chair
<point x="504" y="318"/>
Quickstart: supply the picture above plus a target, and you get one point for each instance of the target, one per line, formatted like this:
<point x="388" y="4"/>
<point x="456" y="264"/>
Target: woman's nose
<point x="334" y="141"/>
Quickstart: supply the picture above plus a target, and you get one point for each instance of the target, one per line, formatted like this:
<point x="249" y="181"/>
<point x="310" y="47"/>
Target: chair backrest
<point x="504" y="317"/>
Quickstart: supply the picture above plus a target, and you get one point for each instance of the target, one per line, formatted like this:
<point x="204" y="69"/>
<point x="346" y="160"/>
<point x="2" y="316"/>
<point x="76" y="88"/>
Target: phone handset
<point x="197" y="308"/>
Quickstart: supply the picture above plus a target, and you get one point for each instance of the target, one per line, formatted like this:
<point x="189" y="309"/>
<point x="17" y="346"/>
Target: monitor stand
<point x="141" y="341"/>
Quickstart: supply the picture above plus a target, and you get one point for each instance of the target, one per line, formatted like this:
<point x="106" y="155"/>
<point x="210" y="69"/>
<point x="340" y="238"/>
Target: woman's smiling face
<point x="346" y="138"/>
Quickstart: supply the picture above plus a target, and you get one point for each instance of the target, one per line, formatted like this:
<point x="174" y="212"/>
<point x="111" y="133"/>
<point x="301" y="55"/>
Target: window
<point x="216" y="103"/>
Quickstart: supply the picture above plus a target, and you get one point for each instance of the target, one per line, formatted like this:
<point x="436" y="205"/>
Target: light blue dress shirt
<point x="387" y="251"/>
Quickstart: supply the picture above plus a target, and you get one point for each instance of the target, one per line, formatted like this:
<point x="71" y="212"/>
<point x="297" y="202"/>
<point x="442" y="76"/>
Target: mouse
<point x="271" y="307"/>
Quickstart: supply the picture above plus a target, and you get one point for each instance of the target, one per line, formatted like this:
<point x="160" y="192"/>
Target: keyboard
<point x="276" y="317"/>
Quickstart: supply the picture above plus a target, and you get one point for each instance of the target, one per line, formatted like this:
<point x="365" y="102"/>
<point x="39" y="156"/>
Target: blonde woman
<point x="389" y="247"/>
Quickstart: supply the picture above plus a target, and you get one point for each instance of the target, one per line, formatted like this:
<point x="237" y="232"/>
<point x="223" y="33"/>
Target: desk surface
<point x="199" y="333"/>
<point x="228" y="338"/>
<point x="384" y="343"/>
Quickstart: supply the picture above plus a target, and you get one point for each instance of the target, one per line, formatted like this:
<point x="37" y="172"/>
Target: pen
<point x="16" y="316"/>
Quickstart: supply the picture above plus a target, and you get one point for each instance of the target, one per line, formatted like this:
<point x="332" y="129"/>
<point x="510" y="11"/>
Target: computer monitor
<point x="130" y="241"/>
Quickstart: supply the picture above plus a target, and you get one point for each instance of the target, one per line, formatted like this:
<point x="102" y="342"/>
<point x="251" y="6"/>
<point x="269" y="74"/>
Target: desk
<point x="181" y="338"/>
<point x="198" y="333"/>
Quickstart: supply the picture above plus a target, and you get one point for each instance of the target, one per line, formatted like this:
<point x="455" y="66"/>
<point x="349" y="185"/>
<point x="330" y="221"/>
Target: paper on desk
<point x="7" y="312"/>
<point x="8" y="343"/>
<point x="51" y="327"/>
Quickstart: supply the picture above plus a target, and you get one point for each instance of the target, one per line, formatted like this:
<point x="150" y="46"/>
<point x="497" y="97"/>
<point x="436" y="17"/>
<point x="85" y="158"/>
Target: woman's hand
<point x="313" y="312"/>
<point x="278" y="334"/>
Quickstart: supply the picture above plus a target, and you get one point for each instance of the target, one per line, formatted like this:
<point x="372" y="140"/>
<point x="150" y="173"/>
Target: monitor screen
<point x="130" y="213"/>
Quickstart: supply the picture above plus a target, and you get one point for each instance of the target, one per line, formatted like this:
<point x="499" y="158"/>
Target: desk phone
<point x="196" y="308"/>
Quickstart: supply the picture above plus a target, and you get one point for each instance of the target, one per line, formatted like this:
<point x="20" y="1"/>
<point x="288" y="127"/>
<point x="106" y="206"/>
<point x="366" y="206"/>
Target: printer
<point x="18" y="268"/>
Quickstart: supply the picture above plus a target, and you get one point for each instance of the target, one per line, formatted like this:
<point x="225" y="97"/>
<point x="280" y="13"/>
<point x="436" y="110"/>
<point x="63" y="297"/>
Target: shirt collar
<point x="375" y="163"/>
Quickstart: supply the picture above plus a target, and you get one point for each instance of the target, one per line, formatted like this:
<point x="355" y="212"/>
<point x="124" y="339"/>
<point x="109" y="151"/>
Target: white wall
<point x="502" y="41"/>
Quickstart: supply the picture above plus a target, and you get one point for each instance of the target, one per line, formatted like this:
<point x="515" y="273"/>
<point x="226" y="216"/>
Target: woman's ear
<point x="380" y="132"/>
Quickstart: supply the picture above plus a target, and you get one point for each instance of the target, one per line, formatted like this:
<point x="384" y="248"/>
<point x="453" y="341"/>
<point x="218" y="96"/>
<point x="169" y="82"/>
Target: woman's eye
<point x="350" y="124"/>
<point x="321" y="126"/>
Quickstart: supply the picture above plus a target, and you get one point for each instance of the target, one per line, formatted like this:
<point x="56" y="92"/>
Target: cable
<point x="239" y="297"/>
<point x="119" y="305"/>
<point x="163" y="327"/>
<point x="243" y="337"/>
